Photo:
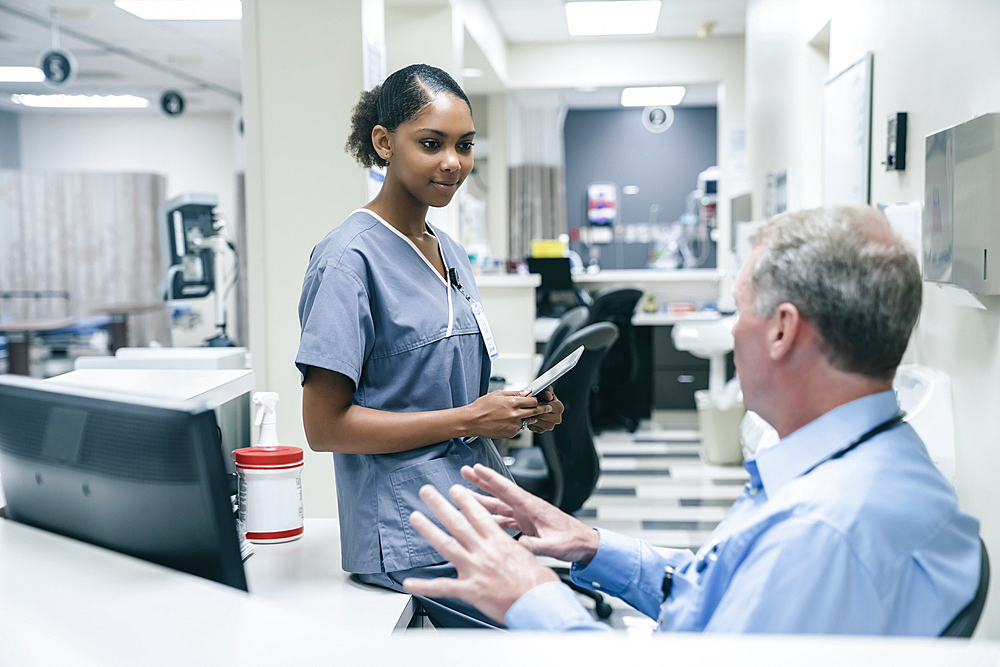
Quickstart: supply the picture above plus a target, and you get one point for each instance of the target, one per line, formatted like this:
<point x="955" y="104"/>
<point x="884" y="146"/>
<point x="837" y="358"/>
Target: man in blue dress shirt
<point x="845" y="526"/>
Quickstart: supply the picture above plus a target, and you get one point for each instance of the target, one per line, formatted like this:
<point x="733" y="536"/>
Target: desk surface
<point x="68" y="603"/>
<point x="36" y="324"/>
<point x="306" y="575"/>
<point x="489" y="280"/>
<point x="648" y="276"/>
<point x="182" y="384"/>
<point x="129" y="307"/>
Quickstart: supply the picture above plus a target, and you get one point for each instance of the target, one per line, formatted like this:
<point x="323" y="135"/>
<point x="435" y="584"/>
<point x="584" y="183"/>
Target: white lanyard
<point x="477" y="310"/>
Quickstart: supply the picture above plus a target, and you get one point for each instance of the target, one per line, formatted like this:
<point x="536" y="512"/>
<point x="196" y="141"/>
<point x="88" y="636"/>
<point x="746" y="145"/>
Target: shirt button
<point x="753" y="490"/>
<point x="595" y="584"/>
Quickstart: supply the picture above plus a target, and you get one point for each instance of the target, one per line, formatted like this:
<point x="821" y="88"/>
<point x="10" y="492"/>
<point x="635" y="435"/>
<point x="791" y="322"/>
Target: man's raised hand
<point x="548" y="531"/>
<point x="493" y="570"/>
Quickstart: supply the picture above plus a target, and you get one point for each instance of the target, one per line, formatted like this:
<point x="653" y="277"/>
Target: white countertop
<point x="648" y="276"/>
<point x="306" y="575"/>
<point x="68" y="603"/>
<point x="231" y="358"/>
<point x="508" y="280"/>
<point x="660" y="318"/>
<point x="204" y="386"/>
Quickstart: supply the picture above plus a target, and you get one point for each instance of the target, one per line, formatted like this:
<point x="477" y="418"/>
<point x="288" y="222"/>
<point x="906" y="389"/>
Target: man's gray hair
<point x="846" y="271"/>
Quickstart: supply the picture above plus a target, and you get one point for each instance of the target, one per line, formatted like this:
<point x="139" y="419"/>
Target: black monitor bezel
<point x="212" y="480"/>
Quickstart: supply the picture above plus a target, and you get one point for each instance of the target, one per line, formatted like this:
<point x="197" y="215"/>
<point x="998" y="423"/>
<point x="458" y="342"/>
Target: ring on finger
<point x="524" y="424"/>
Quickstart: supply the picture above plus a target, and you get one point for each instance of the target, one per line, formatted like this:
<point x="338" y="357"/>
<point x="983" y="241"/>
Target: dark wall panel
<point x="613" y="145"/>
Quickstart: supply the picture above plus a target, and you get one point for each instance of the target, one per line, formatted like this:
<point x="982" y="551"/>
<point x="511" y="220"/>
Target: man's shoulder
<point x="886" y="498"/>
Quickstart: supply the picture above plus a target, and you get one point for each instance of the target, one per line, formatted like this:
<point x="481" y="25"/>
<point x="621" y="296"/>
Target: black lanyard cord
<point x="668" y="574"/>
<point x="453" y="279"/>
<point x="864" y="437"/>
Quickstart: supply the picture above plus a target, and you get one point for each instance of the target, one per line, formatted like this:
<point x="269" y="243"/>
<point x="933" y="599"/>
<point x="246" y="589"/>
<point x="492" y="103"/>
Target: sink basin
<point x="708" y="340"/>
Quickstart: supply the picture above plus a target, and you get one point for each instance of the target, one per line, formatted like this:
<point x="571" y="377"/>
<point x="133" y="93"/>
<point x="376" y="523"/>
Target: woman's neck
<point x="400" y="209"/>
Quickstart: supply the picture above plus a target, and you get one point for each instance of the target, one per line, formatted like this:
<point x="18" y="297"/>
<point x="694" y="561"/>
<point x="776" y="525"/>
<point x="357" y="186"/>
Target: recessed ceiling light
<point x="183" y="10"/>
<point x="659" y="96"/>
<point x="471" y="73"/>
<point x="81" y="101"/>
<point x="21" y="75"/>
<point x="622" y="17"/>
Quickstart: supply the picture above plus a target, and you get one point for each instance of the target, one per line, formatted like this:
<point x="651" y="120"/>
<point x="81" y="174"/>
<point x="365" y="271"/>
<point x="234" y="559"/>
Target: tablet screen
<point x="556" y="372"/>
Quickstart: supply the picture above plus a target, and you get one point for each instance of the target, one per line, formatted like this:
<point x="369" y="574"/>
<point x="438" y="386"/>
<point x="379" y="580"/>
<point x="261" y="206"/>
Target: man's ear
<point x="786" y="329"/>
<point x="382" y="141"/>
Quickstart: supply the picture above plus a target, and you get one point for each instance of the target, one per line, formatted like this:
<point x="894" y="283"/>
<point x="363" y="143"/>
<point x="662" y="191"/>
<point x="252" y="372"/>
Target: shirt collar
<point x="821" y="438"/>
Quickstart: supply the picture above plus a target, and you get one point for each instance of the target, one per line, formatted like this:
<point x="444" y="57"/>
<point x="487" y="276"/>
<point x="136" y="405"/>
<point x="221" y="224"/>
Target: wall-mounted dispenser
<point x="895" y="142"/>
<point x="961" y="224"/>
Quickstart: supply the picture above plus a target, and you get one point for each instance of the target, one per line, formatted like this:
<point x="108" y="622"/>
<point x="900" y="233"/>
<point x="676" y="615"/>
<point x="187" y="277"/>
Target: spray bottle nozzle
<point x="266" y="402"/>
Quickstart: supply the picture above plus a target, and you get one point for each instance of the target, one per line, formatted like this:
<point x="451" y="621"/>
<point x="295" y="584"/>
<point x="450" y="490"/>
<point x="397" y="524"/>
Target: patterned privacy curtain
<point x="537" y="206"/>
<point x="536" y="158"/>
<point x="94" y="235"/>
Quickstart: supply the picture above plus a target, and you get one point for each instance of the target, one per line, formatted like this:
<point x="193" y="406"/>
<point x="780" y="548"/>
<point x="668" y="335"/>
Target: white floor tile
<point x="660" y="513"/>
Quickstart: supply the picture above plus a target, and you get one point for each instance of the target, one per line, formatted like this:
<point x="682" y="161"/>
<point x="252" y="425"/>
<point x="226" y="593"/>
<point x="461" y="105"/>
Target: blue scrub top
<point x="374" y="309"/>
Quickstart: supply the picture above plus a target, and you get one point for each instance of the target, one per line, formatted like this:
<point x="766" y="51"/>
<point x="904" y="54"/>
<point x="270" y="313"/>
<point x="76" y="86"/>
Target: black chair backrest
<point x="569" y="323"/>
<point x="965" y="622"/>
<point x="614" y="304"/>
<point x="569" y="449"/>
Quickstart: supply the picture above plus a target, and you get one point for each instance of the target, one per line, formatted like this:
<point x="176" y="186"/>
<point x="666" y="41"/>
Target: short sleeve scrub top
<point x="374" y="309"/>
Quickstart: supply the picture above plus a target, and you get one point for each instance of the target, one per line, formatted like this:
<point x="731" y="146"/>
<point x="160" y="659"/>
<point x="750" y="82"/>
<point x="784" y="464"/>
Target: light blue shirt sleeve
<point x="551" y="607"/>
<point x="630" y="569"/>
<point x="624" y="567"/>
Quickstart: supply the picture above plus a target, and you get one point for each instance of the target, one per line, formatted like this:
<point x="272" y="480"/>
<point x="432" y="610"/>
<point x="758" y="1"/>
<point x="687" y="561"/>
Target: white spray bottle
<point x="266" y="402"/>
<point x="270" y="479"/>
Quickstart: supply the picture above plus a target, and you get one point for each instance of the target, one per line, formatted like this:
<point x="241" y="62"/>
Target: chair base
<point x="601" y="608"/>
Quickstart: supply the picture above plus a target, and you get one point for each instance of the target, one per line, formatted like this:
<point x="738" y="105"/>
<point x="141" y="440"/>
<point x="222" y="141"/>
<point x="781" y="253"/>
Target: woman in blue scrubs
<point x="395" y="352"/>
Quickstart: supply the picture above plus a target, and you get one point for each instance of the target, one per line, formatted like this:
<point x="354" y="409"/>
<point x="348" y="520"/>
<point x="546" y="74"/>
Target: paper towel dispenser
<point x="961" y="224"/>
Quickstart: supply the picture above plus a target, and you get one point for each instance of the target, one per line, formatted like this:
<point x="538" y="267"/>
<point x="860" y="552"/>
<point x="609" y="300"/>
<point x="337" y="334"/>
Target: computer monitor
<point x="554" y="271"/>
<point x="556" y="278"/>
<point x="138" y="475"/>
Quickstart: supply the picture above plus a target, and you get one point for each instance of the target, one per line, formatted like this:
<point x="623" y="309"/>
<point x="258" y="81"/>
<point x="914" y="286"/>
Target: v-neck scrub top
<point x="374" y="309"/>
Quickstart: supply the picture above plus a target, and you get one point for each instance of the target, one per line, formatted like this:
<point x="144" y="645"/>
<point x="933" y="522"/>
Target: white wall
<point x="196" y="152"/>
<point x="934" y="61"/>
<point x="300" y="184"/>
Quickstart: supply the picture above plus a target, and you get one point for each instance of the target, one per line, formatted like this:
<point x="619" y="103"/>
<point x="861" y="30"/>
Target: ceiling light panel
<point x="21" y="75"/>
<point x="183" y="10"/>
<point x="622" y="17"/>
<point x="659" y="96"/>
<point x="81" y="101"/>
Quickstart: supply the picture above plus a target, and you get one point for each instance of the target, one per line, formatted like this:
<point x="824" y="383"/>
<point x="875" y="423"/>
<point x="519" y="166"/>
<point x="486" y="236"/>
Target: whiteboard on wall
<point x="847" y="135"/>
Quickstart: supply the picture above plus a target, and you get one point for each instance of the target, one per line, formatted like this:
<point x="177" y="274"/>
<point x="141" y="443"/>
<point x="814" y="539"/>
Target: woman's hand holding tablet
<point x="556" y="372"/>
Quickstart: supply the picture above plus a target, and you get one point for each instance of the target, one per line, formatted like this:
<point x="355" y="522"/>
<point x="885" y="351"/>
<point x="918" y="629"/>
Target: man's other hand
<point x="493" y="570"/>
<point x="548" y="531"/>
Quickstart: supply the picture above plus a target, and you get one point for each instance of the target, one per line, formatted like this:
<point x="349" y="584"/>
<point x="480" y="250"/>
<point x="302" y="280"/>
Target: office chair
<point x="614" y="403"/>
<point x="571" y="322"/>
<point x="564" y="466"/>
<point x="965" y="622"/>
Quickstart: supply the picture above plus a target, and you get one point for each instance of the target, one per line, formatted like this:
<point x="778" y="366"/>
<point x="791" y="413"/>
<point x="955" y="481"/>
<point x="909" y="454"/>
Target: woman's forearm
<point x="359" y="430"/>
<point x="334" y="423"/>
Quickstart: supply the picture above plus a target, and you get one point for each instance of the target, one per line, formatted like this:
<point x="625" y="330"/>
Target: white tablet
<point x="556" y="372"/>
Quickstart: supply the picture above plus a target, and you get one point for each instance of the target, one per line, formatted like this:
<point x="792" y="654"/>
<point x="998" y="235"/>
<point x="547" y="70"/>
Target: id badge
<point x="484" y="328"/>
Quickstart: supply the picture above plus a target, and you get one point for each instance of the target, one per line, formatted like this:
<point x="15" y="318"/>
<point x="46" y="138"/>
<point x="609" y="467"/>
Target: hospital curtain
<point x="537" y="183"/>
<point x="94" y="235"/>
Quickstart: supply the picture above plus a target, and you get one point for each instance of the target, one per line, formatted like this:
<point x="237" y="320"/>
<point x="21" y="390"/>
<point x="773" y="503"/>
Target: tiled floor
<point x="655" y="486"/>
